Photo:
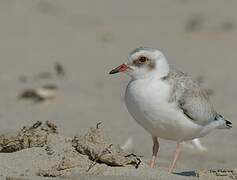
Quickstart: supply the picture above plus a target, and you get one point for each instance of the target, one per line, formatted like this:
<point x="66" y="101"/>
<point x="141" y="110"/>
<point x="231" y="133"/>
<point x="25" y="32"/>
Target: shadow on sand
<point x="187" y="173"/>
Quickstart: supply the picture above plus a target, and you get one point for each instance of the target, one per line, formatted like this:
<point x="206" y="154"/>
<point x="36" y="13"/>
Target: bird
<point x="166" y="102"/>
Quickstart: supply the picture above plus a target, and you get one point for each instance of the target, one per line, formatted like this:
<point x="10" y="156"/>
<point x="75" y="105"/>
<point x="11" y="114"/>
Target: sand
<point x="89" y="39"/>
<point x="39" y="150"/>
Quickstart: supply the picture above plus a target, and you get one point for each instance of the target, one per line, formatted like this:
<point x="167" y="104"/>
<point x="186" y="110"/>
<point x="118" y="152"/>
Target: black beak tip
<point x="113" y="71"/>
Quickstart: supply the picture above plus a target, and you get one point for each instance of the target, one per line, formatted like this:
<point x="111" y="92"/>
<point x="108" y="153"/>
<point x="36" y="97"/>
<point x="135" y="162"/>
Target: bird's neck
<point x="161" y="70"/>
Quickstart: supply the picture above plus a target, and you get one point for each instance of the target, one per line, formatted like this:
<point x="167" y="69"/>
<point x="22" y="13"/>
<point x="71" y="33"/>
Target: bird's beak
<point x="121" y="68"/>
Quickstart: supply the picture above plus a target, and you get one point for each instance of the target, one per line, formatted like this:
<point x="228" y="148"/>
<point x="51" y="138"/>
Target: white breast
<point x="147" y="102"/>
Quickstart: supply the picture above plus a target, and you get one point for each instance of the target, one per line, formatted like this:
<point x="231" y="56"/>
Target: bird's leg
<point x="176" y="156"/>
<point x="154" y="151"/>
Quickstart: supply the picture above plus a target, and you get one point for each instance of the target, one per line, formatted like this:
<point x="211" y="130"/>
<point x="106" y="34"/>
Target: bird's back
<point x="189" y="97"/>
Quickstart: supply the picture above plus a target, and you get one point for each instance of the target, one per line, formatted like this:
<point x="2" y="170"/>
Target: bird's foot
<point x="152" y="162"/>
<point x="171" y="169"/>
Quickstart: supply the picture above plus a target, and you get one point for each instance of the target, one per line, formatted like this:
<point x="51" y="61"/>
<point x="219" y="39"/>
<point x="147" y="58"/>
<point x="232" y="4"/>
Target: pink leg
<point x="176" y="156"/>
<point x="154" y="151"/>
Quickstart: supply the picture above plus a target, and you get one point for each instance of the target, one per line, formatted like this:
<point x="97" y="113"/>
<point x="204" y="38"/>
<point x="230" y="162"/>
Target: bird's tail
<point x="224" y="124"/>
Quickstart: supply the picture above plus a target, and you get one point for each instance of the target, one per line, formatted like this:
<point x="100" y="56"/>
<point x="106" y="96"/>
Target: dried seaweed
<point x="33" y="136"/>
<point x="91" y="153"/>
<point x="99" y="149"/>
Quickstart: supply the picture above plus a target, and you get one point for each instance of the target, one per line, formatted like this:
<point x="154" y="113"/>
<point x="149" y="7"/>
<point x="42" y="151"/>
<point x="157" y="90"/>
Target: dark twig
<point x="98" y="125"/>
<point x="37" y="124"/>
<point x="138" y="159"/>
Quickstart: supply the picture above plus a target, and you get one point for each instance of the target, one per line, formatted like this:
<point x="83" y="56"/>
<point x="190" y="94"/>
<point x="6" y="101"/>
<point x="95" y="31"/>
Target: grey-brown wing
<point x="197" y="107"/>
<point x="190" y="98"/>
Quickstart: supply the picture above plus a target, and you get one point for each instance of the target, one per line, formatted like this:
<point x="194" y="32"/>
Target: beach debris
<point x="194" y="24"/>
<point x="59" y="69"/>
<point x="99" y="149"/>
<point x="46" y="92"/>
<point x="228" y="26"/>
<point x="32" y="136"/>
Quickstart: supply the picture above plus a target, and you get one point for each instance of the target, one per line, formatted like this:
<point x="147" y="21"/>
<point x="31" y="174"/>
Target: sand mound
<point x="27" y="137"/>
<point x="40" y="151"/>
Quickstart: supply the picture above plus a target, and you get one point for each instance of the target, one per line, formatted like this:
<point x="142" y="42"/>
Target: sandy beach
<point x="88" y="39"/>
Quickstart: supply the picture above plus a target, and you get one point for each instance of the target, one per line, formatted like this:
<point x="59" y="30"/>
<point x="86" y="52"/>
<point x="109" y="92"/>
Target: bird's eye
<point x="142" y="59"/>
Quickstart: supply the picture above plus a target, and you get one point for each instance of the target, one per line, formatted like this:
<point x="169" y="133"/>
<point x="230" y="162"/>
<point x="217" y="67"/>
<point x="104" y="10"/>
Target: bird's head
<point x="143" y="63"/>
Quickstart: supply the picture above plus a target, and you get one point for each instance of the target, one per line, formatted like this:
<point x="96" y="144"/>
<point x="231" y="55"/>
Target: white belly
<point x="148" y="103"/>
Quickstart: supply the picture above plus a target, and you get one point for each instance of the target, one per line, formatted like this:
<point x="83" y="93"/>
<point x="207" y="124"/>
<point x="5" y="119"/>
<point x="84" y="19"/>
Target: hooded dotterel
<point x="167" y="102"/>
